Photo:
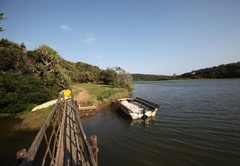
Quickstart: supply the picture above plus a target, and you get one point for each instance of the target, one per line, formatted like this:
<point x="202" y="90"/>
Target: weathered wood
<point x="66" y="141"/>
<point x="87" y="155"/>
<point x="73" y="140"/>
<point x="60" y="151"/>
<point x="21" y="153"/>
<point x="93" y="143"/>
<point x="86" y="108"/>
<point x="27" y="160"/>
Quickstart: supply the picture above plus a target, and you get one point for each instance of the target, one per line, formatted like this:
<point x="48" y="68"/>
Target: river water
<point x="198" y="123"/>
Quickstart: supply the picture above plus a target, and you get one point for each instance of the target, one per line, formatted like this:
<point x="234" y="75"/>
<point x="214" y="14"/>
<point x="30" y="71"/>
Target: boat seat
<point x="124" y="102"/>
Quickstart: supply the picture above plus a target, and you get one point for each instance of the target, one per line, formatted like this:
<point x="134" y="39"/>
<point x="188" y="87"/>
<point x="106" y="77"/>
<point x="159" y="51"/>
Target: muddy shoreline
<point x="87" y="114"/>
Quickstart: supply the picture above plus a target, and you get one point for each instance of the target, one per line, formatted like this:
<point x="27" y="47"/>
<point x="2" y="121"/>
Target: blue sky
<point x="162" y="37"/>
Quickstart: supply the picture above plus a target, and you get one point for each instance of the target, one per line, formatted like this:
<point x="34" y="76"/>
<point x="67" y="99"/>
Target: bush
<point x="20" y="92"/>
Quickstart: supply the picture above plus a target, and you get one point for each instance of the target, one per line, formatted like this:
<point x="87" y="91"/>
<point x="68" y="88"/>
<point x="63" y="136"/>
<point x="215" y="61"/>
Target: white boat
<point x="137" y="108"/>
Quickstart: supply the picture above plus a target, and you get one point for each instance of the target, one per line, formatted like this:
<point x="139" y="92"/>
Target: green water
<point x="12" y="141"/>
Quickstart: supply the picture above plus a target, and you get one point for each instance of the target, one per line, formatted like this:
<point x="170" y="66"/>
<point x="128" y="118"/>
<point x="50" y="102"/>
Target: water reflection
<point x="12" y="140"/>
<point x="127" y="121"/>
<point x="145" y="122"/>
<point x="197" y="124"/>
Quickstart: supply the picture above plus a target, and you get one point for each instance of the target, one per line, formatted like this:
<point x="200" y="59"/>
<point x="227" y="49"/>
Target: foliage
<point x="150" y="77"/>
<point x="231" y="70"/>
<point x="2" y="18"/>
<point x="116" y="77"/>
<point x="86" y="72"/>
<point x="32" y="77"/>
<point x="28" y="78"/>
<point x="27" y="118"/>
<point x="19" y="92"/>
<point x="13" y="57"/>
<point x="50" y="68"/>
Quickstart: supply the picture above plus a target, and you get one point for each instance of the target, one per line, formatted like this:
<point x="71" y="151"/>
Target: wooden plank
<point x="60" y="151"/>
<point x="93" y="143"/>
<point x="72" y="146"/>
<point x="67" y="154"/>
<point x="34" y="146"/>
<point x="73" y="140"/>
<point x="86" y="108"/>
<point x="78" y="150"/>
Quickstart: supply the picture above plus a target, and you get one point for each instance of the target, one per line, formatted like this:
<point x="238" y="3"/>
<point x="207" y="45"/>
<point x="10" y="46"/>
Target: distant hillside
<point x="231" y="70"/>
<point x="150" y="77"/>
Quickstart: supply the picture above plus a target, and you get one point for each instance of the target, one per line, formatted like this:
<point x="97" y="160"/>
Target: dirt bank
<point x="83" y="97"/>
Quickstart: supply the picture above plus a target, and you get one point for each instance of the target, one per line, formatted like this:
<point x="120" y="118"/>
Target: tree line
<point x="32" y="77"/>
<point x="231" y="70"/>
<point x="150" y="77"/>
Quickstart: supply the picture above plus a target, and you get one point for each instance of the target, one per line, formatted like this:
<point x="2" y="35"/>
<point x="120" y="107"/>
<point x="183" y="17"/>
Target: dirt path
<point x="82" y="97"/>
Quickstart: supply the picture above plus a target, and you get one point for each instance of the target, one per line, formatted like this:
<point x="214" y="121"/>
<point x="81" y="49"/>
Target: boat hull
<point x="136" y="109"/>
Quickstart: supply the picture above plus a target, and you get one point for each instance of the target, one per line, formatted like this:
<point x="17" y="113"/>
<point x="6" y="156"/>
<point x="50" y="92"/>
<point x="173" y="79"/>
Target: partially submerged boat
<point x="138" y="107"/>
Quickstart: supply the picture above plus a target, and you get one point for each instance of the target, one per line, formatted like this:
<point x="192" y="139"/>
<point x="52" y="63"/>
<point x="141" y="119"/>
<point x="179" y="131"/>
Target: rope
<point x="96" y="151"/>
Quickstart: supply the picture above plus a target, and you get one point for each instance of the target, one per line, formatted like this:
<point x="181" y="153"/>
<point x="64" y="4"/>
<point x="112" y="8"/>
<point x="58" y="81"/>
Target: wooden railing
<point x="61" y="140"/>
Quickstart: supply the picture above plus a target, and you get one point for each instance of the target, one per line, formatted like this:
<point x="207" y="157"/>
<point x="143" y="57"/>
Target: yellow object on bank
<point x="67" y="93"/>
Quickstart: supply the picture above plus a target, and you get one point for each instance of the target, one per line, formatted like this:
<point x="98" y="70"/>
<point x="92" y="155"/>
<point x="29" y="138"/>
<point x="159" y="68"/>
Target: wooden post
<point x="20" y="155"/>
<point x="93" y="143"/>
<point x="75" y="102"/>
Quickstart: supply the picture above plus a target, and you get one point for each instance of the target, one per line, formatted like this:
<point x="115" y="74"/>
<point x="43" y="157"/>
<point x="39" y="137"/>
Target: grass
<point x="32" y="120"/>
<point x="98" y="91"/>
<point x="76" y="89"/>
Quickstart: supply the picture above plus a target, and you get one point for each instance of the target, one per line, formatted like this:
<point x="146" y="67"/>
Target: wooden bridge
<point x="61" y="141"/>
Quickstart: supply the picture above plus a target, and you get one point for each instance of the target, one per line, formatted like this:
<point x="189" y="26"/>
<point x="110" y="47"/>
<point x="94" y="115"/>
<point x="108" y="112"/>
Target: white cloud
<point x="90" y="38"/>
<point x="64" y="27"/>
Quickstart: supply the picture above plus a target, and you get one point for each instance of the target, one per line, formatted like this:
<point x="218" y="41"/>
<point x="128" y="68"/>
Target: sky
<point x="162" y="37"/>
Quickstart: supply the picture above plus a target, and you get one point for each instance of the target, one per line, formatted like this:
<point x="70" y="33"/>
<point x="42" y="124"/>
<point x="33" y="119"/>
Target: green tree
<point x="116" y="77"/>
<point x="13" y="57"/>
<point x="20" y="92"/>
<point x="87" y="72"/>
<point x="2" y="18"/>
<point x="124" y="78"/>
<point x="230" y="70"/>
<point x="49" y="67"/>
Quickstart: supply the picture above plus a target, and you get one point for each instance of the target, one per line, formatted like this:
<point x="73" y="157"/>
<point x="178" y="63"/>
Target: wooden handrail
<point x="82" y="132"/>
<point x="55" y="126"/>
<point x="27" y="160"/>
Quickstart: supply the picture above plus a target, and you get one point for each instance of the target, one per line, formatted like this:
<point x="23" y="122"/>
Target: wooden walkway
<point x="61" y="141"/>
